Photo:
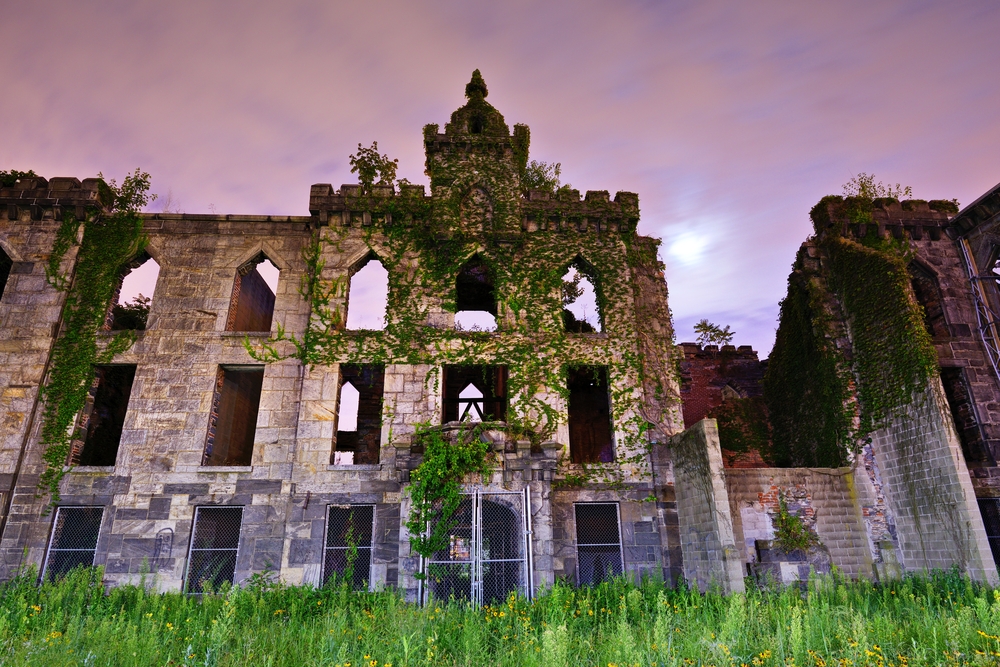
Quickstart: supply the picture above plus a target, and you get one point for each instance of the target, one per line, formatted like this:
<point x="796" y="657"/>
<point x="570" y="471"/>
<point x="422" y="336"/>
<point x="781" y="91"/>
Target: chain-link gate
<point x="489" y="550"/>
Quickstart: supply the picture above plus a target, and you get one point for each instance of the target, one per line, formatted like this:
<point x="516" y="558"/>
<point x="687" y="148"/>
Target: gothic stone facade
<point x="191" y="367"/>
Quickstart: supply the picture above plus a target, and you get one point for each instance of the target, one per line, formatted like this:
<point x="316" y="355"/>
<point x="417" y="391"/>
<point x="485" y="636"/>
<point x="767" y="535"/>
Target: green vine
<point x="790" y="532"/>
<point x="825" y="400"/>
<point x="436" y="484"/>
<point x="111" y="237"/>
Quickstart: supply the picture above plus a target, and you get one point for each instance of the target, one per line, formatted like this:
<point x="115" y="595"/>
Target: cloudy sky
<point x="729" y="119"/>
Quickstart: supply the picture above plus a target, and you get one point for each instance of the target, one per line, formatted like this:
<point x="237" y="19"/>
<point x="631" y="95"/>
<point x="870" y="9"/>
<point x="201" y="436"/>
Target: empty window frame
<point x="590" y="433"/>
<point x="359" y="439"/>
<point x="475" y="297"/>
<point x="252" y="305"/>
<point x="925" y="288"/>
<point x="598" y="542"/>
<point x="989" y="509"/>
<point x="233" y="421"/>
<point x="130" y="305"/>
<point x="104" y="417"/>
<point x="215" y="541"/>
<point x="368" y="296"/>
<point x="74" y="540"/>
<point x="488" y="401"/>
<point x="963" y="413"/>
<point x="347" y="553"/>
<point x="581" y="311"/>
<point x="6" y="264"/>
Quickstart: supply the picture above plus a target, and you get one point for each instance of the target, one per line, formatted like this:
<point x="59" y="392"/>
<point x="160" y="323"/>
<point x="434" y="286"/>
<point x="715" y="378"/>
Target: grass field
<point x="940" y="620"/>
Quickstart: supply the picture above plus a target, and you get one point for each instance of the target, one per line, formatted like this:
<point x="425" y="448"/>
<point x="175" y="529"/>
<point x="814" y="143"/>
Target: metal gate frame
<point x="526" y="586"/>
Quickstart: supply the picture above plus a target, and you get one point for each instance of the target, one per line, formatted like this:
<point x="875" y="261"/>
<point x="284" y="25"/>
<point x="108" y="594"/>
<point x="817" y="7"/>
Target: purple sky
<point x="730" y="120"/>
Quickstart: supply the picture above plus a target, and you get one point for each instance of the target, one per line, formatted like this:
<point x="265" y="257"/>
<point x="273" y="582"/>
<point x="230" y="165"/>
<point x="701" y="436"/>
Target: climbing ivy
<point x="436" y="484"/>
<point x="825" y="400"/>
<point x="111" y="237"/>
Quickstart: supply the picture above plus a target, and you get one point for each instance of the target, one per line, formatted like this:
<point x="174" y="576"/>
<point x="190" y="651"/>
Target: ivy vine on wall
<point x="112" y="236"/>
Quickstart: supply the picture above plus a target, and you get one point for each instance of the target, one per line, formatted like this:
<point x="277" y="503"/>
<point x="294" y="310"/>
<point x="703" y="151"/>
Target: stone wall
<point x="829" y="501"/>
<point x="711" y="557"/>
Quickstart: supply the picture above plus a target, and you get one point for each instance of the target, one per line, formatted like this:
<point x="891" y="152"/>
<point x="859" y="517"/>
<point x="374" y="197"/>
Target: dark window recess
<point x="252" y="305"/>
<point x="347" y="555"/>
<point x="74" y="540"/>
<point x="103" y="420"/>
<point x="6" y="264"/>
<point x="989" y="508"/>
<point x="589" y="415"/>
<point x="491" y="381"/>
<point x="369" y="380"/>
<point x="598" y="542"/>
<point x="474" y="287"/>
<point x="233" y="421"/>
<point x="925" y="288"/>
<point x="963" y="412"/>
<point x="214" y="544"/>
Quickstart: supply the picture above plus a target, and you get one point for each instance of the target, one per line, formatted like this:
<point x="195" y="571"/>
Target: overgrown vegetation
<point x="743" y="427"/>
<point x="941" y="620"/>
<point x="790" y="532"/>
<point x="436" y="484"/>
<point x="111" y="237"/>
<point x="823" y="399"/>
<point x="713" y="334"/>
<point x="9" y="178"/>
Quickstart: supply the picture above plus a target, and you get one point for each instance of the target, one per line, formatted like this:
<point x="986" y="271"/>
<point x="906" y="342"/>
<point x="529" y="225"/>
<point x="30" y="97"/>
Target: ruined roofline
<point x="984" y="210"/>
<point x="915" y="218"/>
<point x="55" y="195"/>
<point x="695" y="349"/>
<point x="562" y="211"/>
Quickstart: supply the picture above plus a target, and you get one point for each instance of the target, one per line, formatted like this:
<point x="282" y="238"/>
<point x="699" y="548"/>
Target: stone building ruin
<point x="219" y="444"/>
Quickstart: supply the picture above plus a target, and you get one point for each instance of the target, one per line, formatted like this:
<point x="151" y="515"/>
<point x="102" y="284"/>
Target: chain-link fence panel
<point x="74" y="539"/>
<point x="214" y="544"/>
<point x="503" y="562"/>
<point x="347" y="555"/>
<point x="598" y="542"/>
<point x="449" y="571"/>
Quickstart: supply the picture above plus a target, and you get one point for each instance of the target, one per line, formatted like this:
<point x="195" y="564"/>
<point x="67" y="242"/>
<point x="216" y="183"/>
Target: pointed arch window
<point x="132" y="300"/>
<point x="252" y="305"/>
<point x="925" y="288"/>
<point x="581" y="308"/>
<point x="359" y="414"/>
<point x="475" y="297"/>
<point x="368" y="297"/>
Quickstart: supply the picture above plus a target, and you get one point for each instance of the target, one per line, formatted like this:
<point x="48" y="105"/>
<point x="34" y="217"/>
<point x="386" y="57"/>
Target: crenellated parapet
<point x="39" y="197"/>
<point x="913" y="218"/>
<point x="566" y="211"/>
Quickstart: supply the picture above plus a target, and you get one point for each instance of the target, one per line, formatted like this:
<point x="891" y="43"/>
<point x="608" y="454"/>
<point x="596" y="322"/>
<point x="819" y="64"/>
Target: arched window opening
<point x="6" y="264"/>
<point x="359" y="414"/>
<point x="130" y="305"/>
<point x="581" y="312"/>
<point x="252" y="305"/>
<point x="475" y="297"/>
<point x="925" y="288"/>
<point x="368" y="298"/>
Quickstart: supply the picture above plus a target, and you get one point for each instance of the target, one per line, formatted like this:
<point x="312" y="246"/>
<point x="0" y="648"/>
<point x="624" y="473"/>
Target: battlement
<point x="40" y="196"/>
<point x="564" y="210"/>
<point x="694" y="350"/>
<point x="913" y="218"/>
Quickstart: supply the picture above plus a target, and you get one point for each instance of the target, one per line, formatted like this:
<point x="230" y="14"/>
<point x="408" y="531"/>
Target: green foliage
<point x="132" y="315"/>
<point x="864" y="186"/>
<point x="790" y="531"/>
<point x="9" y="178"/>
<point x="369" y="164"/>
<point x="713" y="334"/>
<point x="943" y="619"/>
<point x="110" y="239"/>
<point x="436" y="484"/>
<point x="805" y="387"/>
<point x="543" y="176"/>
<point x="743" y="426"/>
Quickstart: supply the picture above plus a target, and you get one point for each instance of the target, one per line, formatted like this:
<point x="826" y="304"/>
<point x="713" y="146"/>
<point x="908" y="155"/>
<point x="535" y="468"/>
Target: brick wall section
<point x="929" y="492"/>
<point x="705" y="372"/>
<point x="826" y="499"/>
<point x="710" y="554"/>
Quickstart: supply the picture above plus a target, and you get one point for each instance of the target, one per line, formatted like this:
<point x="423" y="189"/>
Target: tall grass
<point x="943" y="619"/>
